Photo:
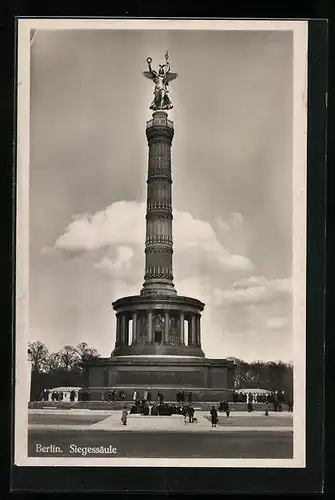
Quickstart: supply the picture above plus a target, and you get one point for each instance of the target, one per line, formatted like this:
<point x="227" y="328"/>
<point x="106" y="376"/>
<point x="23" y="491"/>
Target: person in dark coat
<point x="214" y="416"/>
<point x="190" y="414"/>
<point x="226" y="408"/>
<point x="266" y="409"/>
<point x="124" y="415"/>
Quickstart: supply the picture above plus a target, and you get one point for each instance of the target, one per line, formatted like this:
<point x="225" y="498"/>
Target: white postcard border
<point x="300" y="30"/>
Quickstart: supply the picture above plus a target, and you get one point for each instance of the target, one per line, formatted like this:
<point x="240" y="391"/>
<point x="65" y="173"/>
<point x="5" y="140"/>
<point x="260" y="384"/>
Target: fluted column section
<point x="158" y="278"/>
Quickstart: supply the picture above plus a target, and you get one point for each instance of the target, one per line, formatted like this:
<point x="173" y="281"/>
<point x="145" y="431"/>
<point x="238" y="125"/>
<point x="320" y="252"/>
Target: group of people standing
<point x="112" y="395"/>
<point x="183" y="396"/>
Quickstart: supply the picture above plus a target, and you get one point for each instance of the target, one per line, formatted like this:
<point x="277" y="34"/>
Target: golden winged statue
<point x="161" y="79"/>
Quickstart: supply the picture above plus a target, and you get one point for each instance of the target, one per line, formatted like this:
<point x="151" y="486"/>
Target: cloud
<point x="254" y="289"/>
<point x="222" y="225"/>
<point x="122" y="225"/>
<point x="124" y="254"/>
<point x="118" y="224"/>
<point x="238" y="304"/>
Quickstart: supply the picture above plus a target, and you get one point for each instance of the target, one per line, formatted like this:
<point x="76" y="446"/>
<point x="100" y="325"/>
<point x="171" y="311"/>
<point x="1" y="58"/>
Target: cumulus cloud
<point x="254" y="289"/>
<point x="197" y="249"/>
<point x="118" y="224"/>
<point x="122" y="260"/>
<point x="222" y="225"/>
<point x="237" y="301"/>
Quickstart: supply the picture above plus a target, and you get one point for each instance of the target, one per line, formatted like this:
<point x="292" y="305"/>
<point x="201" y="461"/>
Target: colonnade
<point x="123" y="331"/>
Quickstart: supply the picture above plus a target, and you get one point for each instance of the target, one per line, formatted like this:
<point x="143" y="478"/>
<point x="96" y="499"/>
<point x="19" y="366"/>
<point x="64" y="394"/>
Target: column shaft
<point x="181" y="328"/>
<point x="134" y="329"/>
<point x="189" y="336"/>
<point x="193" y="330"/>
<point x="126" y="336"/>
<point x="118" y="330"/>
<point x="198" y="331"/>
<point x="150" y="337"/>
<point x="166" y="327"/>
<point x="123" y="330"/>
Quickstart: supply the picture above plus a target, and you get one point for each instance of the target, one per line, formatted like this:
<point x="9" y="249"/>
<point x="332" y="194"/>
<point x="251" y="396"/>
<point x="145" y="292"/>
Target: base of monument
<point x="207" y="379"/>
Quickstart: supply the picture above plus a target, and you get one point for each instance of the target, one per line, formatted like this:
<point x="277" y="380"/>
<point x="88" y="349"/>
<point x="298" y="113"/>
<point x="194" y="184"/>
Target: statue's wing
<point x="149" y="74"/>
<point x="170" y="76"/>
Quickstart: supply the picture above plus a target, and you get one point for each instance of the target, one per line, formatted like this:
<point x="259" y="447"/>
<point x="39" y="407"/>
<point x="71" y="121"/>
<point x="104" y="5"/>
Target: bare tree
<point x="68" y="358"/>
<point x="53" y="362"/>
<point x="39" y="355"/>
<point x="85" y="352"/>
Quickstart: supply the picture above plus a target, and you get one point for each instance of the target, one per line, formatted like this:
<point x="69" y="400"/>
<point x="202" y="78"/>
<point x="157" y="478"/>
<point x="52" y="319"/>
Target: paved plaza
<point x="111" y="420"/>
<point x="243" y="435"/>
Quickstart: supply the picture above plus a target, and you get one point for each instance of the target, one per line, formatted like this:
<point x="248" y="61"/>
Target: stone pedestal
<point x="205" y="378"/>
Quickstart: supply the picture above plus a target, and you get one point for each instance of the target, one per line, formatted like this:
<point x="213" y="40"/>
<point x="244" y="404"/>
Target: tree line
<point x="271" y="375"/>
<point x="62" y="368"/>
<point x="65" y="368"/>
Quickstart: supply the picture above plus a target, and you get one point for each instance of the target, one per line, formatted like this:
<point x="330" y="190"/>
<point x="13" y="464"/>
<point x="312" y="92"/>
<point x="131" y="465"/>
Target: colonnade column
<point x="166" y="327"/>
<point x="126" y="337"/>
<point x="182" y="331"/>
<point x="118" y="331"/>
<point x="134" y="329"/>
<point x="123" y="330"/>
<point x="193" y="330"/>
<point x="150" y="339"/>
<point x="198" y="342"/>
<point x="189" y="336"/>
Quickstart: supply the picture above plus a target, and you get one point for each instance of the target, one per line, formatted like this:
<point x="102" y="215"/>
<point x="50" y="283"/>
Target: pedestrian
<point x="226" y="408"/>
<point x="124" y="416"/>
<point x="190" y="414"/>
<point x="214" y="416"/>
<point x="266" y="409"/>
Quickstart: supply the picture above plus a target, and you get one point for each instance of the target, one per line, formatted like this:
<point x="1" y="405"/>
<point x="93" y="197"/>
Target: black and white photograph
<point x="161" y="243"/>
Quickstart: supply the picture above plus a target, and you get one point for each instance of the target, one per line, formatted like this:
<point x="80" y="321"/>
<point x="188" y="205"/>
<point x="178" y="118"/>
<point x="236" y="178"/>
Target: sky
<point x="232" y="183"/>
